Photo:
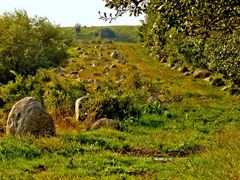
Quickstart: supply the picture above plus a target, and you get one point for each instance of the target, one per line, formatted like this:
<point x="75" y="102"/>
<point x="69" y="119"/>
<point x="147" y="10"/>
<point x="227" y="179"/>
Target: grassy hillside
<point x="122" y="33"/>
<point x="187" y="129"/>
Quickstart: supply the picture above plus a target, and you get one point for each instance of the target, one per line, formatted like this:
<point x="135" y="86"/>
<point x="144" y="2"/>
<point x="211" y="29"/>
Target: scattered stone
<point x="78" y="106"/>
<point x="168" y="65"/>
<point x="79" y="79"/>
<point x="183" y="69"/>
<point x="238" y="97"/>
<point x="81" y="69"/>
<point x="100" y="54"/>
<point x="234" y="91"/>
<point x="74" y="73"/>
<point x="97" y="74"/>
<point x="90" y="80"/>
<point x="218" y="82"/>
<point x="201" y="74"/>
<point x="59" y="70"/>
<point x="187" y="73"/>
<point x="105" y="123"/>
<point x="163" y="60"/>
<point x="114" y="66"/>
<point x="226" y="88"/>
<point x="28" y="116"/>
<point x="208" y="79"/>
<point x="119" y="82"/>
<point x="121" y="61"/>
<point x="115" y="55"/>
<point x="133" y="67"/>
<point x="106" y="70"/>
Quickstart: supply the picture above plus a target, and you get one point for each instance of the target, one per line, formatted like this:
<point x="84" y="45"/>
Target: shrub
<point x="27" y="44"/>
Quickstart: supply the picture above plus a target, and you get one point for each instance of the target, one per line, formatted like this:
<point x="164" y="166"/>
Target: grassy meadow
<point x="172" y="126"/>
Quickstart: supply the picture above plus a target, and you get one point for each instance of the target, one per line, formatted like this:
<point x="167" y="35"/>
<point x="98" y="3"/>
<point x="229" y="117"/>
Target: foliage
<point x="103" y="33"/>
<point x="27" y="44"/>
<point x="56" y="94"/>
<point x="198" y="33"/>
<point x="77" y="29"/>
<point x="195" y="138"/>
<point x="120" y="33"/>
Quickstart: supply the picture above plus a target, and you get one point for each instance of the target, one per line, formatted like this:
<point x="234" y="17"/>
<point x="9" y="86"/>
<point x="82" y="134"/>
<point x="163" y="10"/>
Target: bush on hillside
<point x="27" y="44"/>
<point x="105" y="33"/>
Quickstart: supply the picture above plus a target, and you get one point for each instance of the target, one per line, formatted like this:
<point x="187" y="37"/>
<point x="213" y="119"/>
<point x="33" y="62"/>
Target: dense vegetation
<point x="202" y="34"/>
<point x="27" y="44"/>
<point x="171" y="126"/>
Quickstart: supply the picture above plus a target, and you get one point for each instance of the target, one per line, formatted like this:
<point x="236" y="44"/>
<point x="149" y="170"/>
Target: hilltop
<point x="129" y="34"/>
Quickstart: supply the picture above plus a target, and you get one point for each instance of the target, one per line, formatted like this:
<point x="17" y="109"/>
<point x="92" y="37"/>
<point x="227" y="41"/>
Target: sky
<point x="67" y="12"/>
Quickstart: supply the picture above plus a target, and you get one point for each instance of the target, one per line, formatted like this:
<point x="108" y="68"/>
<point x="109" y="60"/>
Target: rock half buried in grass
<point x="105" y="123"/>
<point x="28" y="117"/>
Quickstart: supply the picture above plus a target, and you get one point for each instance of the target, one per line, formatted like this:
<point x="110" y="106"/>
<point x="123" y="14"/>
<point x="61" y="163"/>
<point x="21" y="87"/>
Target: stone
<point x="183" y="69"/>
<point x="29" y="117"/>
<point x="208" y="79"/>
<point x="187" y="73"/>
<point x="59" y="70"/>
<point x="226" y="88"/>
<point x="218" y="82"/>
<point x="106" y="70"/>
<point x="201" y="74"/>
<point x="74" y="73"/>
<point x="134" y="68"/>
<point x="238" y="97"/>
<point x="78" y="48"/>
<point x="115" y="55"/>
<point x="105" y="123"/>
<point x="121" y="61"/>
<point x="234" y="91"/>
<point x="78" y="106"/>
<point x="114" y="66"/>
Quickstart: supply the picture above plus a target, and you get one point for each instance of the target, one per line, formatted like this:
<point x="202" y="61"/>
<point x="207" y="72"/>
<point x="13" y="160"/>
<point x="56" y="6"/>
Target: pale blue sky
<point x="66" y="12"/>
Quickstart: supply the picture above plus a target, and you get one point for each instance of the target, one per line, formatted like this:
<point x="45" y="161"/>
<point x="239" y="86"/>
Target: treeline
<point x="27" y="44"/>
<point x="199" y="34"/>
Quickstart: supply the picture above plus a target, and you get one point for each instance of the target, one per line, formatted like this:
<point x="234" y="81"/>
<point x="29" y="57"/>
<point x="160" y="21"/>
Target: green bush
<point x="57" y="94"/>
<point x="27" y="44"/>
<point x="113" y="104"/>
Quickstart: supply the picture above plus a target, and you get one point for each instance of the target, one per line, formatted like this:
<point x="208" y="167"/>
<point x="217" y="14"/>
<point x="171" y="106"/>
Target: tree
<point x="206" y="31"/>
<point x="189" y="16"/>
<point x="27" y="44"/>
<point x="77" y="29"/>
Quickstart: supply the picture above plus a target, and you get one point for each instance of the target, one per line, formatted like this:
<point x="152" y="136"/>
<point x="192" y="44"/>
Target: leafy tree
<point x="27" y="44"/>
<point x="77" y="29"/>
<point x="201" y="32"/>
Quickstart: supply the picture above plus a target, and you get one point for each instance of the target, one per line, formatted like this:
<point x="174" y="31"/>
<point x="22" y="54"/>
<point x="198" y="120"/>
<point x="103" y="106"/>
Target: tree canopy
<point x="27" y="44"/>
<point x="201" y="33"/>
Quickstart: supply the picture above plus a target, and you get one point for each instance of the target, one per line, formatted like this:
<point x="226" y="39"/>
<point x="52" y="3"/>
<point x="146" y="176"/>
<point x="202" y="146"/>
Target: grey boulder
<point x="28" y="117"/>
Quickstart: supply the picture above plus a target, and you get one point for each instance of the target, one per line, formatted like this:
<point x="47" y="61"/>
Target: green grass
<point x="127" y="34"/>
<point x="192" y="134"/>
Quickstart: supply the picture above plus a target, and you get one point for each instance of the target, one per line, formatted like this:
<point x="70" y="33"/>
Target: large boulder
<point x="28" y="117"/>
<point x="105" y="123"/>
<point x="78" y="106"/>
